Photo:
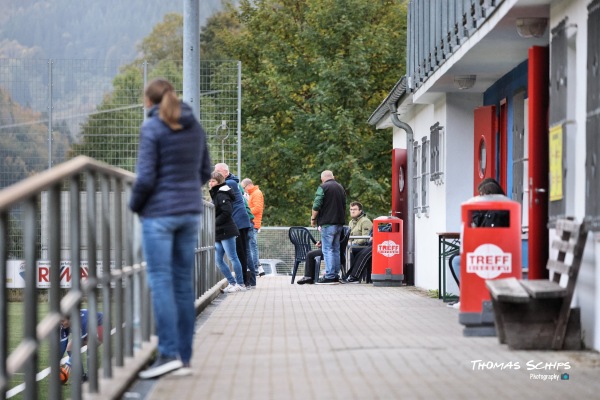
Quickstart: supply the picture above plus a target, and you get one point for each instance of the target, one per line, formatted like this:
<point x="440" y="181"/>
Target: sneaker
<point x="261" y="271"/>
<point x="305" y="279"/>
<point x="328" y="281"/>
<point x="186" y="370"/>
<point x="456" y="306"/>
<point x="250" y="287"/>
<point x="350" y="279"/>
<point x="230" y="289"/>
<point x="162" y="365"/>
<point x="240" y="288"/>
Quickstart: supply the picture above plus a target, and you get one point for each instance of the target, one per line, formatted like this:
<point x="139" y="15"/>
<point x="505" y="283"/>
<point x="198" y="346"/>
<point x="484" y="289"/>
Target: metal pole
<point x="144" y="109"/>
<point x="50" y="62"/>
<point x="191" y="55"/>
<point x="239" y="121"/>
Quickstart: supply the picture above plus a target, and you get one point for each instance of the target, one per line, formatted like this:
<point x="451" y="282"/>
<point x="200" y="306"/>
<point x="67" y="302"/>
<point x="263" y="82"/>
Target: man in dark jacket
<point x="329" y="212"/>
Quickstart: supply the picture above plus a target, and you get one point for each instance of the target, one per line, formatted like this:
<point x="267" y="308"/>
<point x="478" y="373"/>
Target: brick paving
<point x="285" y="341"/>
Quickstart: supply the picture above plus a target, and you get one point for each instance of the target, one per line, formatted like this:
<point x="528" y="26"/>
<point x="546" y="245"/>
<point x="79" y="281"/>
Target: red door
<point x="502" y="146"/>
<point x="484" y="145"/>
<point x="538" y="72"/>
<point x="400" y="201"/>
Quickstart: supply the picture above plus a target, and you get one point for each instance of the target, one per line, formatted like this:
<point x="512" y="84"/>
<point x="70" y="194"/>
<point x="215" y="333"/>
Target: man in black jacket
<point x="329" y="213"/>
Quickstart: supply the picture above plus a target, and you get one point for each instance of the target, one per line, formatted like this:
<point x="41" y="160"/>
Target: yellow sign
<point x="556" y="162"/>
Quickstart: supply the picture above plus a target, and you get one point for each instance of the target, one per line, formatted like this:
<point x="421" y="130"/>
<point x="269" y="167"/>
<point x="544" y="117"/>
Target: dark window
<point x="558" y="118"/>
<point x="436" y="152"/>
<point x="592" y="173"/>
<point x="424" y="175"/>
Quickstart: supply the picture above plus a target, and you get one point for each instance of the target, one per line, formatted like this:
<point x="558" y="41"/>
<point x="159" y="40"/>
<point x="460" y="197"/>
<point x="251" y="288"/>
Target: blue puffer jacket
<point x="240" y="216"/>
<point x="171" y="168"/>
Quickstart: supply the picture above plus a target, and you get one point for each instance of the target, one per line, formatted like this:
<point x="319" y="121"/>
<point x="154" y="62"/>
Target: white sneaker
<point x="230" y="289"/>
<point x="456" y="306"/>
<point x="240" y="288"/>
<point x="261" y="271"/>
<point x="183" y="371"/>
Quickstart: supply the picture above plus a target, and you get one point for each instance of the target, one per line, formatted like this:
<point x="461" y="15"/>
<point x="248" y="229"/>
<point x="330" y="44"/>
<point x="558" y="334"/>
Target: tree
<point x="313" y="71"/>
<point x="166" y="40"/>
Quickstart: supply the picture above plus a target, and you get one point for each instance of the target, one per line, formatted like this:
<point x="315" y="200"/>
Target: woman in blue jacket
<point x="173" y="164"/>
<point x="226" y="232"/>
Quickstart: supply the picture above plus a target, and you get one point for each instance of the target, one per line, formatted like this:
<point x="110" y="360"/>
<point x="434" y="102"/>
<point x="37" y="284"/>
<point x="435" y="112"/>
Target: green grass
<point x="15" y="335"/>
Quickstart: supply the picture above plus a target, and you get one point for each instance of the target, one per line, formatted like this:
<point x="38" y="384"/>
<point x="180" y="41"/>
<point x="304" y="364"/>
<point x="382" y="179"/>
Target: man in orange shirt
<point x="256" y="202"/>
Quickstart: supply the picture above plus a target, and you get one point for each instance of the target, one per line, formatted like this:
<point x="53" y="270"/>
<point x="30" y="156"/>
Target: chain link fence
<point x="53" y="110"/>
<point x="274" y="243"/>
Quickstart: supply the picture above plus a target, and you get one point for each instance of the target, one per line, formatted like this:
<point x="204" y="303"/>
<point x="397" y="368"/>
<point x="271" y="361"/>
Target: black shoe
<point x="352" y="279"/>
<point x="305" y="279"/>
<point x="84" y="378"/>
<point x="162" y="365"/>
<point x="328" y="281"/>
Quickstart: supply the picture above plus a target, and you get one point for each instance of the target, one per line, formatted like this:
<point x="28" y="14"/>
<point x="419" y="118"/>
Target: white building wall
<point x="587" y="293"/>
<point x="454" y="113"/>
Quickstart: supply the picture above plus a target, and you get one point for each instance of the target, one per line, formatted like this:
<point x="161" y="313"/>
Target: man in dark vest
<point x="329" y="213"/>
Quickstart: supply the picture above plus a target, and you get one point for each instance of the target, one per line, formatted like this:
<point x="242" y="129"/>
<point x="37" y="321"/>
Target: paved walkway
<point x="285" y="341"/>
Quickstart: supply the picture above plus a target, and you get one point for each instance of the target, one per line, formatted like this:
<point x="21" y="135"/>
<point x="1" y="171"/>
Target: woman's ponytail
<point x="160" y="91"/>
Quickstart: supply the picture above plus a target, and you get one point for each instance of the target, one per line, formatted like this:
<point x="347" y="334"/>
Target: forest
<point x="313" y="71"/>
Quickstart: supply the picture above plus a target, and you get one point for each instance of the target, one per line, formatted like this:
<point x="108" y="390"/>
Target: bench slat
<point x="544" y="289"/>
<point x="563" y="245"/>
<point x="567" y="225"/>
<point x="507" y="290"/>
<point x="558" y="266"/>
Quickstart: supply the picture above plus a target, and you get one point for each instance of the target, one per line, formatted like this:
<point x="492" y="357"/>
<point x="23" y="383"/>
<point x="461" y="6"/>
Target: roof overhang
<point x="490" y="53"/>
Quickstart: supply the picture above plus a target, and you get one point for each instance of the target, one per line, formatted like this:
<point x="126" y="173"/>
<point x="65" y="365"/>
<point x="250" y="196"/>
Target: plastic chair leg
<point x="317" y="267"/>
<point x="296" y="263"/>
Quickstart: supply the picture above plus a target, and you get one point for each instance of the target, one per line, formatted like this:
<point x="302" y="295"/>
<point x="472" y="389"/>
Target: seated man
<point x="361" y="265"/>
<point x="482" y="219"/>
<point x="360" y="225"/>
<point x="310" y="265"/>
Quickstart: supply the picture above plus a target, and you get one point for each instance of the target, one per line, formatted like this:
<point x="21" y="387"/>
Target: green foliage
<point x="313" y="72"/>
<point x="166" y="40"/>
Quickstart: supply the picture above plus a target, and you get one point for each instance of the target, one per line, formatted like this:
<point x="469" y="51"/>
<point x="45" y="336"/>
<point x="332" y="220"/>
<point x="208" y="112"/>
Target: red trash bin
<point x="387" y="263"/>
<point x="490" y="249"/>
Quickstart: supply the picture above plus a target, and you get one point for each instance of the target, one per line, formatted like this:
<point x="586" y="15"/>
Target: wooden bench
<point x="537" y="314"/>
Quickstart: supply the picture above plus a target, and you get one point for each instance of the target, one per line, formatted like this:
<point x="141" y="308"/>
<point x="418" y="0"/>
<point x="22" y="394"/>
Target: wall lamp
<point x="464" y="81"/>
<point x="531" y="27"/>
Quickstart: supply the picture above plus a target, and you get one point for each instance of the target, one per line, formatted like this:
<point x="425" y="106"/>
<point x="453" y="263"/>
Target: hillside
<point x="84" y="29"/>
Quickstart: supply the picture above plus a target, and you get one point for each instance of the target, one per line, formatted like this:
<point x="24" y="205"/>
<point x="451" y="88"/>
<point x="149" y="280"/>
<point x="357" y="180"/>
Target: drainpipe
<point x="410" y="218"/>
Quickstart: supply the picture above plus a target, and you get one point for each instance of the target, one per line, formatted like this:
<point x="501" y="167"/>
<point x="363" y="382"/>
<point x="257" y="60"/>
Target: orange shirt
<point x="256" y="204"/>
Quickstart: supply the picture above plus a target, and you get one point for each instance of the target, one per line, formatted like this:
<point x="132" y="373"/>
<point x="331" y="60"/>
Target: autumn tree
<point x="313" y="72"/>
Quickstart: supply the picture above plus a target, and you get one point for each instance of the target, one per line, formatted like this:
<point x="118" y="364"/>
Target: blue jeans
<point x="253" y="260"/>
<point x="330" y="241"/>
<point x="169" y="245"/>
<point x="227" y="246"/>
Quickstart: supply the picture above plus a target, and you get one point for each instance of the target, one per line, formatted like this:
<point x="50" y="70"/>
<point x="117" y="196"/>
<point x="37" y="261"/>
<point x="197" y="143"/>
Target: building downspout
<point x="410" y="218"/>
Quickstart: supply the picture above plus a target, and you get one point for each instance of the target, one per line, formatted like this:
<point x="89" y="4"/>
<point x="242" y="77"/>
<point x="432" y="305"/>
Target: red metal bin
<point x="387" y="268"/>
<point x="490" y="249"/>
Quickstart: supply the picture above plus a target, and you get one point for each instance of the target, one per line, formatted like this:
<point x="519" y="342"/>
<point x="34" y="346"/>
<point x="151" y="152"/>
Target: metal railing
<point x="112" y="241"/>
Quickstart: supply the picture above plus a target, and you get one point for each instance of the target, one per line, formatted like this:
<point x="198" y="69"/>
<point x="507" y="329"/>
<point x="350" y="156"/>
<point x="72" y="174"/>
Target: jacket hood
<point x="222" y="188"/>
<point x="232" y="177"/>
<point x="187" y="115"/>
